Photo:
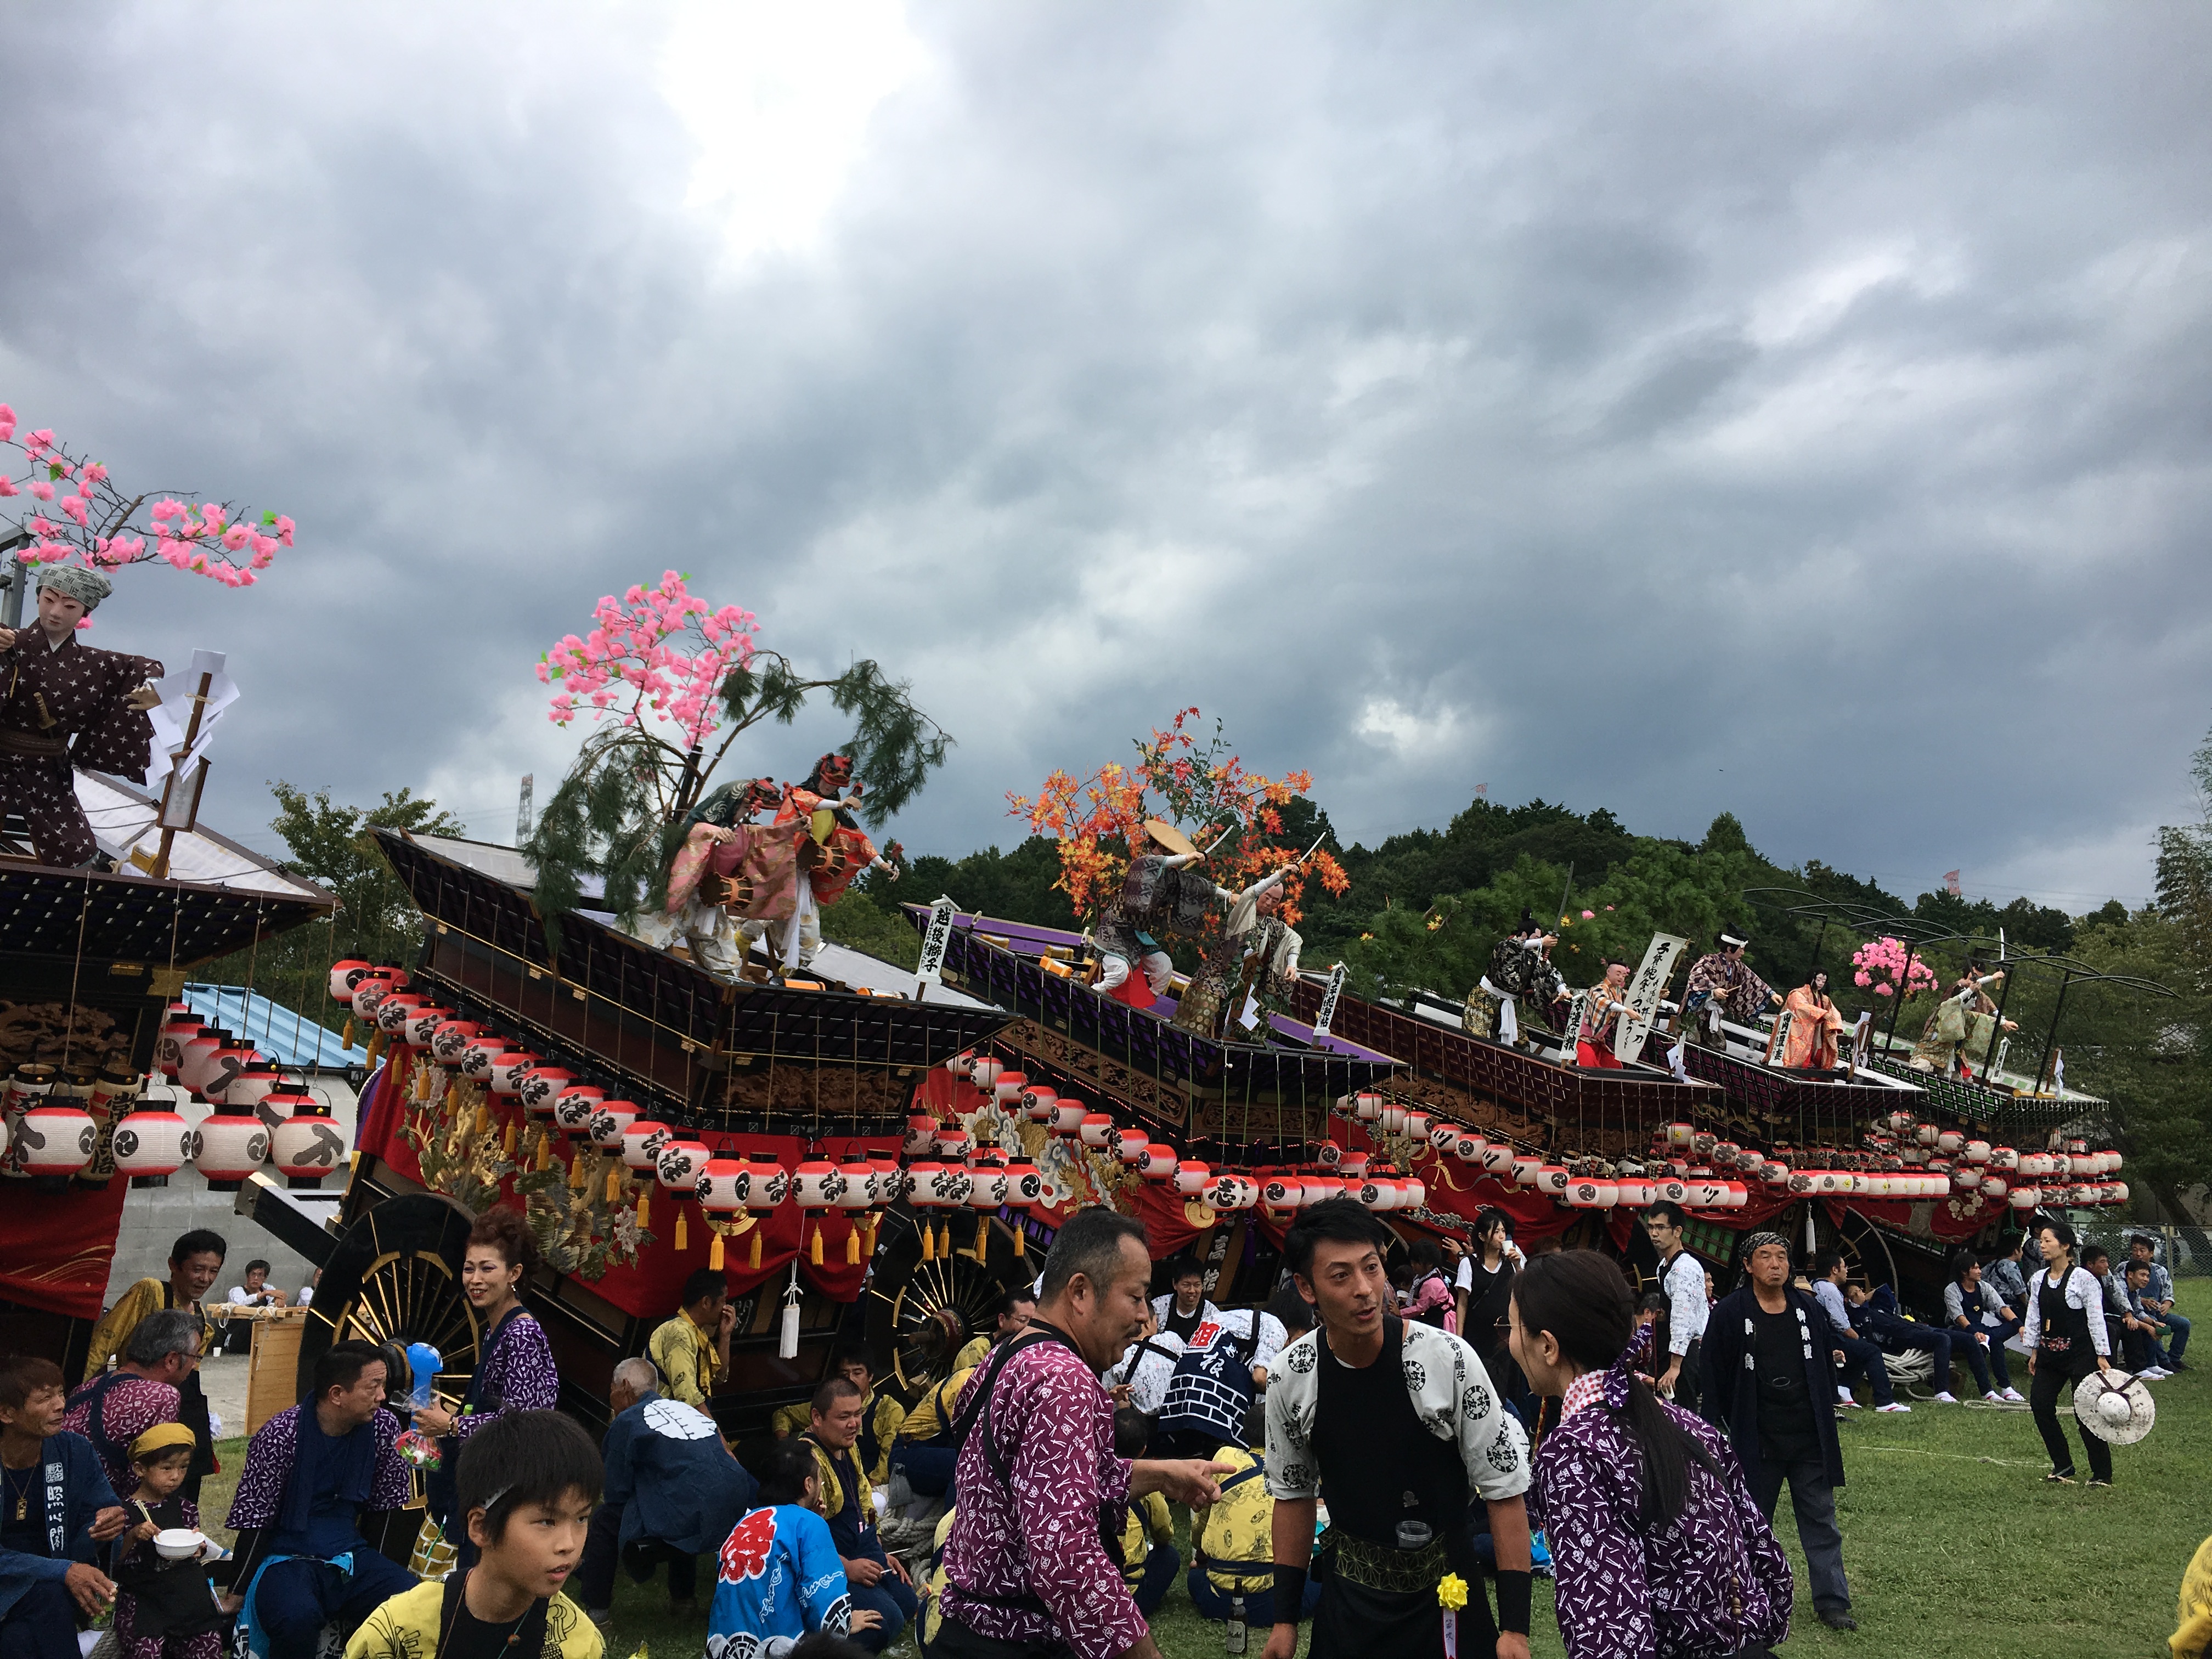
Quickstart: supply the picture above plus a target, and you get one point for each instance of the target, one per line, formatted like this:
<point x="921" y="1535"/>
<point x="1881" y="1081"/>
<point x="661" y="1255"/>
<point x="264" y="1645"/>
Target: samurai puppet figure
<point x="1964" y="1027"/>
<point x="59" y="691"/>
<point x="1521" y="978"/>
<point x="1722" y="983"/>
<point x="726" y="865"/>
<point x="1251" y="968"/>
<point x="831" y="849"/>
<point x="1814" y="1026"/>
<point x="1601" y="1013"/>
<point x="1157" y="898"/>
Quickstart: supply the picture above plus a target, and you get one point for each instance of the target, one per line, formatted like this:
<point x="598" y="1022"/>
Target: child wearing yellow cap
<point x="163" y="1609"/>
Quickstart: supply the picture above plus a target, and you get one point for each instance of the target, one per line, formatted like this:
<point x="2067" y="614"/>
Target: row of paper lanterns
<point x="945" y="1170"/>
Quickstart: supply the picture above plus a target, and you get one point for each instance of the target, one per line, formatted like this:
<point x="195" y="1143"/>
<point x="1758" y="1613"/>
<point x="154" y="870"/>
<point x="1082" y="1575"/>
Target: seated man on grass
<point x="2158" y="1298"/>
<point x="313" y="1472"/>
<point x="60" y="1508"/>
<point x="672" y="1493"/>
<point x="778" y="1574"/>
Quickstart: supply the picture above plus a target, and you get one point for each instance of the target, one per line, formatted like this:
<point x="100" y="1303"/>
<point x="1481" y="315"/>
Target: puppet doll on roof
<point x="1521" y="979"/>
<point x="830" y="849"/>
<point x="1250" y="969"/>
<point x="67" y="706"/>
<point x="724" y="861"/>
<point x="1721" y="981"/>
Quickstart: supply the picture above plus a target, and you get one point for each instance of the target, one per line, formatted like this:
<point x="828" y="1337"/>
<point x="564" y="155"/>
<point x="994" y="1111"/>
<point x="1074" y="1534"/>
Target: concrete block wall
<point x="153" y="1217"/>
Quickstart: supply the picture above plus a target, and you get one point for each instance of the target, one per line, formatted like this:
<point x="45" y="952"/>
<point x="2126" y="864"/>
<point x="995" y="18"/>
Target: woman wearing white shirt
<point x="2066" y="1341"/>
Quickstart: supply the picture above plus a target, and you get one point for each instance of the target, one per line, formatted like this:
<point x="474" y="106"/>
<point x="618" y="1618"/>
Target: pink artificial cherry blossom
<point x="100" y="533"/>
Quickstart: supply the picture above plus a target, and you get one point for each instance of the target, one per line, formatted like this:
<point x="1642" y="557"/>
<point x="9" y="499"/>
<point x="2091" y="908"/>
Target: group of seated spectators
<point x="1985" y="1307"/>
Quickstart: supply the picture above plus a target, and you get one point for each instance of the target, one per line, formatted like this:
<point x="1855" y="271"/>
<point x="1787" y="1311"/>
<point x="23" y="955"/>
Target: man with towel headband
<point x="52" y="691"/>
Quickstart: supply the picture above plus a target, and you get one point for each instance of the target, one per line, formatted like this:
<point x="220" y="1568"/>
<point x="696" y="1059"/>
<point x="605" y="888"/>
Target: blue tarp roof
<point x="287" y="1036"/>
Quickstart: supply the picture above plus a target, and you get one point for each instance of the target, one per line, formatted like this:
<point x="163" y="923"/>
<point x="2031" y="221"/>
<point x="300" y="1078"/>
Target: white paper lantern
<point x="152" y="1144"/>
<point x="642" y="1139"/>
<point x="573" y="1109"/>
<point x="816" y="1185"/>
<point x="1096" y="1131"/>
<point x="716" y="1188"/>
<point x="679" y="1165"/>
<point x="1190" y="1177"/>
<point x="1159" y="1161"/>
<point x="229" y="1146"/>
<point x="610" y="1124"/>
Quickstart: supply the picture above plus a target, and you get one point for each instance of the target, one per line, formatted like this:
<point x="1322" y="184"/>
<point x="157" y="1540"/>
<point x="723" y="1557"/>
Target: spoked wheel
<point x="1867" y="1256"/>
<point x="396" y="1276"/>
<point x="910" y="1295"/>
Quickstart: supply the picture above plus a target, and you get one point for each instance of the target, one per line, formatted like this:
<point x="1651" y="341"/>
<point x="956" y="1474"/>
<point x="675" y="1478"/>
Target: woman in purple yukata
<point x="516" y="1370"/>
<point x="1658" y="1550"/>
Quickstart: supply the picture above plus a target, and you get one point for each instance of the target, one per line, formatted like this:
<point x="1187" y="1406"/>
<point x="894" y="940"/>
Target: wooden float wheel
<point x="908" y="1294"/>
<point x="396" y="1276"/>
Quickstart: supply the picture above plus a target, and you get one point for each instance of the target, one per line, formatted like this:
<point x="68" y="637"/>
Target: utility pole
<point x="522" y="810"/>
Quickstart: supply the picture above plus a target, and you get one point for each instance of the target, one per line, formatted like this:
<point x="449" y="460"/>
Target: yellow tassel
<point x="614" y="1183"/>
<point x="814" y="1250"/>
<point x="982" y="1239"/>
<point x="753" y="1257"/>
<point x="853" y="1247"/>
<point x="346" y="1037"/>
<point x="376" y="1045"/>
<point x="683" y="1242"/>
<point x="1021" y="1237"/>
<point x="944" y="1242"/>
<point x="576" y="1172"/>
<point x="506" y="1142"/>
<point x="644" y="1208"/>
<point x="928" y="1244"/>
<point x="714" y="1252"/>
<point x="869" y="1249"/>
<point x="544" y="1160"/>
<point x="483" y="1118"/>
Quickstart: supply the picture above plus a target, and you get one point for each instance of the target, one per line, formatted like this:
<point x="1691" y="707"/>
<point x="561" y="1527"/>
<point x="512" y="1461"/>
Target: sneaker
<point x="2105" y="1484"/>
<point x="1837" y="1619"/>
<point x="1994" y="1397"/>
<point x="1844" y="1397"/>
<point x="1847" y="1404"/>
<point x="2015" y="1397"/>
<point x="1944" y="1396"/>
<point x="1894" y="1406"/>
<point x="2056" y="1479"/>
<point x="2153" y="1375"/>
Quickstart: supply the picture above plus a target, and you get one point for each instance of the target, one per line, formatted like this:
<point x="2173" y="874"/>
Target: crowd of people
<point x="1386" y="1452"/>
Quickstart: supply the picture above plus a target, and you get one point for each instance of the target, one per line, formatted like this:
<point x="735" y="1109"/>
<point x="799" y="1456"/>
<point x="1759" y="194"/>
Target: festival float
<point x="110" y="894"/>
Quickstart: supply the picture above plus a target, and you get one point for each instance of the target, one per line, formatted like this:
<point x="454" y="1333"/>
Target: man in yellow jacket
<point x="692" y="1350"/>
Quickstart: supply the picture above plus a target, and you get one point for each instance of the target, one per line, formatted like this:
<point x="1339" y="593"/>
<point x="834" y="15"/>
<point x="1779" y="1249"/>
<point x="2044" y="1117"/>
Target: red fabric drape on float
<point x="649" y="1289"/>
<point x="55" y="1248"/>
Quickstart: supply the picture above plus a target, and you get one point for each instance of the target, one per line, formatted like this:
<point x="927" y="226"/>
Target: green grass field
<point x="1954" y="1544"/>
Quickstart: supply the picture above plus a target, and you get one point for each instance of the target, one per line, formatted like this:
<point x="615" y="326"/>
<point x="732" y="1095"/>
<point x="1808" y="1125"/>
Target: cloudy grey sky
<point x="1800" y="411"/>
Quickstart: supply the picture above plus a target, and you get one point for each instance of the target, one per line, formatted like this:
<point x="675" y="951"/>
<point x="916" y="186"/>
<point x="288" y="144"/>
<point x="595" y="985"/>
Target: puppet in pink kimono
<point x="726" y="865"/>
<point x="828" y="848"/>
<point x="1814" y="1023"/>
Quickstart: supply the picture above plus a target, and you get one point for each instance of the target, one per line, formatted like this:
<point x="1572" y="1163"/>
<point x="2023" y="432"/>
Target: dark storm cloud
<point x="1798" y="413"/>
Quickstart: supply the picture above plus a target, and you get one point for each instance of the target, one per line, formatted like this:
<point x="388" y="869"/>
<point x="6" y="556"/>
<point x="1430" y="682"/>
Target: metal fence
<point x="2185" y="1251"/>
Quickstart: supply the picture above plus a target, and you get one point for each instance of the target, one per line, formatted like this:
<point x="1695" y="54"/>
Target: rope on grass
<point x="1954" y="1457"/>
